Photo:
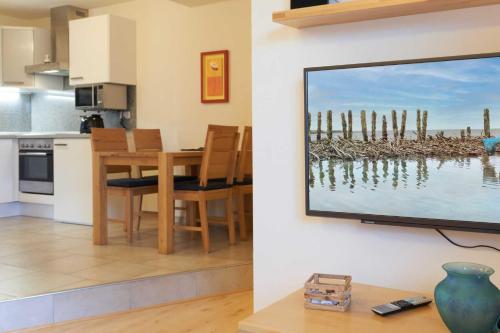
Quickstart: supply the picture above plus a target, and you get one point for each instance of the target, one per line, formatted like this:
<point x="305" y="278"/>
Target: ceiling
<point x="33" y="9"/>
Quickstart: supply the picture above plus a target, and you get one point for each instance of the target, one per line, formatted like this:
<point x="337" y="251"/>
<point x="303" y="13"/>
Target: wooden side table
<point x="289" y="315"/>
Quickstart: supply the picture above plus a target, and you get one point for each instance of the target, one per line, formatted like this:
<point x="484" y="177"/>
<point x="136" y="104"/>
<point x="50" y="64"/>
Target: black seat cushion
<point x="246" y="181"/>
<point x="194" y="185"/>
<point x="145" y="181"/>
<point x="133" y="182"/>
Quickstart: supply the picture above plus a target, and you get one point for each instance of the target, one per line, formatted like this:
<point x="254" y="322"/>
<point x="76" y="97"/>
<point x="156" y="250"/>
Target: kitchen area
<point x="65" y="70"/>
<point x="55" y="86"/>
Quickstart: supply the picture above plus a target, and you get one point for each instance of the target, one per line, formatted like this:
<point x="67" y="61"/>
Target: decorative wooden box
<point x="328" y="292"/>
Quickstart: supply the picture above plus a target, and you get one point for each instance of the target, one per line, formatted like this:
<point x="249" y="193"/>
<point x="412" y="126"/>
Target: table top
<point x="289" y="315"/>
<point x="150" y="154"/>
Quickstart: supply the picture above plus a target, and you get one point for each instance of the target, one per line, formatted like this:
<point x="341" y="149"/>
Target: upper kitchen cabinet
<point x="102" y="49"/>
<point x="21" y="47"/>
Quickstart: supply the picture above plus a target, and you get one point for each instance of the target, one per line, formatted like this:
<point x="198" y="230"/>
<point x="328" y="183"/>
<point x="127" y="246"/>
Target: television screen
<point x="409" y="143"/>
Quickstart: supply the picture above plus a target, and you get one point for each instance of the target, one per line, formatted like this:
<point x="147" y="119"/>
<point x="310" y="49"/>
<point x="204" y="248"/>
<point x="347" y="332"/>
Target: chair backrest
<point x="244" y="165"/>
<point x="147" y="140"/>
<point x="219" y="157"/>
<point x="110" y="140"/>
<point x="220" y="129"/>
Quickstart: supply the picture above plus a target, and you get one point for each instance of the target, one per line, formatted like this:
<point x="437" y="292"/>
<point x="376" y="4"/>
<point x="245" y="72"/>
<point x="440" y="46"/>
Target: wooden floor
<point x="40" y="256"/>
<point x="217" y="314"/>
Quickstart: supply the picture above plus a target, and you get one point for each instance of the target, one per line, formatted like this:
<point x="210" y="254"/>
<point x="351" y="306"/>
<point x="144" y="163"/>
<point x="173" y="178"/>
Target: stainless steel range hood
<point x="59" y="38"/>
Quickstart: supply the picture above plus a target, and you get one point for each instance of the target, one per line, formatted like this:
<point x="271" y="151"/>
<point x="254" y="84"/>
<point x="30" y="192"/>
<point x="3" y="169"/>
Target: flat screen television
<point x="410" y="143"/>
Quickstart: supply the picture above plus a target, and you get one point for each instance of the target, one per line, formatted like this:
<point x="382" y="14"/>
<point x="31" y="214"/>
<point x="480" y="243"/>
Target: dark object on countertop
<point x="193" y="149"/>
<point x="307" y="3"/>
<point x="89" y="122"/>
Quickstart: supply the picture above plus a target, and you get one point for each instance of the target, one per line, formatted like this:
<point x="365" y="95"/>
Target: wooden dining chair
<point x="244" y="181"/>
<point x="215" y="183"/>
<point x="115" y="140"/>
<point x="146" y="140"/>
<point x="149" y="140"/>
<point x="192" y="212"/>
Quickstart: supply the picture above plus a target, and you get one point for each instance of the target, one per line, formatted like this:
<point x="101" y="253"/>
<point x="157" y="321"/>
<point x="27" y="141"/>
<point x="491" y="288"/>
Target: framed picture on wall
<point x="215" y="77"/>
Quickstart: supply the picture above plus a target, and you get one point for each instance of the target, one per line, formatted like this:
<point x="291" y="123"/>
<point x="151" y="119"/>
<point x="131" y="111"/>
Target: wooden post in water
<point x="349" y="121"/>
<point x="424" y="126"/>
<point x="487" y="132"/>
<point x="318" y="132"/>
<point x="344" y="125"/>
<point x="384" y="128"/>
<point x="395" y="131"/>
<point x="469" y="132"/>
<point x="403" y="125"/>
<point x="329" y="128"/>
<point x="419" y="126"/>
<point x="309" y="126"/>
<point x="364" y="129"/>
<point x="462" y="135"/>
<point x="374" y="126"/>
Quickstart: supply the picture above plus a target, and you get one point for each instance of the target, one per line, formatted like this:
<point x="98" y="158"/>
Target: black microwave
<point x="101" y="97"/>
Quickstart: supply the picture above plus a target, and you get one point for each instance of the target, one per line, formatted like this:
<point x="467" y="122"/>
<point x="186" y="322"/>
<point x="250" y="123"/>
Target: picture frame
<point x="215" y="76"/>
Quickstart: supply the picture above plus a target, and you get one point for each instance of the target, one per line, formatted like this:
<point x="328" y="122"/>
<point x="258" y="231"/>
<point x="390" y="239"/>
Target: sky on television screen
<point x="455" y="93"/>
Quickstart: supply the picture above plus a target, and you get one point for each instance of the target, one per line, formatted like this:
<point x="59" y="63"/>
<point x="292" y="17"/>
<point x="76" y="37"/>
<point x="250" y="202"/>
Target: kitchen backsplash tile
<point x="44" y="112"/>
<point x="15" y="112"/>
<point x="52" y="113"/>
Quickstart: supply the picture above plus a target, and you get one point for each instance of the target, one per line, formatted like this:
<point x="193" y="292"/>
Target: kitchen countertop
<point x="43" y="135"/>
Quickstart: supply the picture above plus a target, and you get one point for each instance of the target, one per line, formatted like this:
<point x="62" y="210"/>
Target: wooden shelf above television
<point x="364" y="10"/>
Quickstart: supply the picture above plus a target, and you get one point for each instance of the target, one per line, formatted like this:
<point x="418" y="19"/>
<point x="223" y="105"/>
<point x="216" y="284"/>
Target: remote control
<point x="401" y="305"/>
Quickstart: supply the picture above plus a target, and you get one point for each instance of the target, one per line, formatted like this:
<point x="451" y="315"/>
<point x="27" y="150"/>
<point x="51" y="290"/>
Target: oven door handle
<point x="34" y="154"/>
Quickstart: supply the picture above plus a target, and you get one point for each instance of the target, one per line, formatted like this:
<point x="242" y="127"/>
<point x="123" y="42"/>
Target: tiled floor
<point x="39" y="256"/>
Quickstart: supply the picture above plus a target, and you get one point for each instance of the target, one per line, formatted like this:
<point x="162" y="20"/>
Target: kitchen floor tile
<point x="69" y="264"/>
<point x="35" y="283"/>
<point x="39" y="255"/>
<point x="9" y="272"/>
<point x="114" y="271"/>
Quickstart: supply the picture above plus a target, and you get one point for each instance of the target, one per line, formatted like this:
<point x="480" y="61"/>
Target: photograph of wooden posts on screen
<point x="215" y="77"/>
<point x="406" y="140"/>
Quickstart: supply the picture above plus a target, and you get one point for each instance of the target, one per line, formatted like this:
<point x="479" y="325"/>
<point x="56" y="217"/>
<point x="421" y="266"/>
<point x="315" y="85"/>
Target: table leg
<point x="99" y="201"/>
<point x="170" y="204"/>
<point x="165" y="204"/>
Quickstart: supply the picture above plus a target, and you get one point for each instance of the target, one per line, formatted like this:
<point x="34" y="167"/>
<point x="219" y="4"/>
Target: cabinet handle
<point x="14" y="82"/>
<point x="60" y="144"/>
<point x="76" y="78"/>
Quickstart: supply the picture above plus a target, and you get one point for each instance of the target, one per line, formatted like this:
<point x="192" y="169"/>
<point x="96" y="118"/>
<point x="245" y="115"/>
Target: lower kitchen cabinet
<point x="73" y="180"/>
<point x="8" y="170"/>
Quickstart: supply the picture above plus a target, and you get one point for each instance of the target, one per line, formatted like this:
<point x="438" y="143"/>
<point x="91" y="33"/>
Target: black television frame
<point x="402" y="221"/>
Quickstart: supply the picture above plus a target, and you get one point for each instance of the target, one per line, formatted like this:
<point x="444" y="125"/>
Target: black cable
<point x="467" y="246"/>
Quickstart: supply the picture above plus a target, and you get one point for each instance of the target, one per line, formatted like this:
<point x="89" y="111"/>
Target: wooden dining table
<point x="166" y="162"/>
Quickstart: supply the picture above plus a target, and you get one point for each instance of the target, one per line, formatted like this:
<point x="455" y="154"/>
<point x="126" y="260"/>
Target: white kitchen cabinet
<point x="8" y="170"/>
<point x="102" y="49"/>
<point x="17" y="52"/>
<point x="73" y="180"/>
<point x="20" y="47"/>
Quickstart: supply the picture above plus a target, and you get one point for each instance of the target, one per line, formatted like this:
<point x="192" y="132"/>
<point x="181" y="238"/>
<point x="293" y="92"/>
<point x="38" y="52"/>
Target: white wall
<point x="290" y="246"/>
<point x="170" y="37"/>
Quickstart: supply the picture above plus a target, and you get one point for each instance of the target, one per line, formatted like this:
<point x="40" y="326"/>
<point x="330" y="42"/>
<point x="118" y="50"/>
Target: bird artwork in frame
<point x="215" y="77"/>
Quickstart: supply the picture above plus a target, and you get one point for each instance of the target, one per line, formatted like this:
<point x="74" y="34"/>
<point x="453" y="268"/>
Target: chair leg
<point x="129" y="215"/>
<point x="190" y="216"/>
<point x="202" y="203"/>
<point x="139" y="216"/>
<point x="230" y="218"/>
<point x="241" y="216"/>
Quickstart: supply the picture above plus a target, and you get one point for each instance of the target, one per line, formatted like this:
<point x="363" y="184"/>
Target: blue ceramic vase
<point x="467" y="300"/>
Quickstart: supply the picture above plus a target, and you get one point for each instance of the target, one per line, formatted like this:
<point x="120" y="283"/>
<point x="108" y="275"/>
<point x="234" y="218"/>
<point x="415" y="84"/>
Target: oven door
<point x="36" y="172"/>
<point x="86" y="98"/>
